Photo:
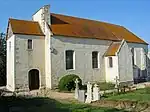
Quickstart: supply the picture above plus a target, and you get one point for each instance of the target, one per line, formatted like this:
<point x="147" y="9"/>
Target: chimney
<point x="42" y="16"/>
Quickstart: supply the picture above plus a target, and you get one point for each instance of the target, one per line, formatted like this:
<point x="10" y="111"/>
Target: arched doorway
<point x="33" y="79"/>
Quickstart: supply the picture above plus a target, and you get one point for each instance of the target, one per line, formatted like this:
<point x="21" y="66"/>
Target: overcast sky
<point x="133" y="14"/>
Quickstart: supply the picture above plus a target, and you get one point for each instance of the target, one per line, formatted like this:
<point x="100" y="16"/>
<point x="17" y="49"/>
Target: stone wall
<point x="125" y="64"/>
<point x="140" y="60"/>
<point x="83" y="49"/>
<point x="26" y="59"/>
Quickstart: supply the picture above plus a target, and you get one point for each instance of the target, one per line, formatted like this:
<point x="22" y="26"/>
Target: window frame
<point x="97" y="66"/>
<point x="31" y="44"/>
<point x="73" y="60"/>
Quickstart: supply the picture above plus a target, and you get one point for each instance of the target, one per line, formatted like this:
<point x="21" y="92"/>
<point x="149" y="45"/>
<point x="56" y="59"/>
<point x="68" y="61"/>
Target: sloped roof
<point x="78" y="27"/>
<point x="112" y="49"/>
<point x="25" y="27"/>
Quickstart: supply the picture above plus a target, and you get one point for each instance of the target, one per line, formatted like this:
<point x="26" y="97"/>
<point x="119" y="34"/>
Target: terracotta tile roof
<point x="112" y="49"/>
<point x="25" y="27"/>
<point x="78" y="27"/>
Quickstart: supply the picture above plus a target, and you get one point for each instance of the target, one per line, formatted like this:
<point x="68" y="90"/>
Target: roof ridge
<point x="86" y="19"/>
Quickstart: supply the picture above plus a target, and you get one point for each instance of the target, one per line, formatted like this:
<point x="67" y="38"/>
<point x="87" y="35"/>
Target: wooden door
<point x="33" y="79"/>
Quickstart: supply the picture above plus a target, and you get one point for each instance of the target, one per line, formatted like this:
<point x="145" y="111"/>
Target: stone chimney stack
<point x="42" y="16"/>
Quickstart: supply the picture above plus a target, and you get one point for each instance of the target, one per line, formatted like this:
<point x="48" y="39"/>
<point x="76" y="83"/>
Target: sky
<point x="133" y="14"/>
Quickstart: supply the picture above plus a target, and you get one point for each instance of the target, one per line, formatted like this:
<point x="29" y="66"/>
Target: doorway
<point x="33" y="79"/>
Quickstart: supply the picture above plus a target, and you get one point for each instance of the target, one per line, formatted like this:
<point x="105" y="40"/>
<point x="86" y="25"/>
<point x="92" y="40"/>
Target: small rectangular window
<point x="9" y="46"/>
<point x="95" y="59"/>
<point x="110" y="62"/>
<point x="30" y="44"/>
<point x="132" y="51"/>
<point x="69" y="59"/>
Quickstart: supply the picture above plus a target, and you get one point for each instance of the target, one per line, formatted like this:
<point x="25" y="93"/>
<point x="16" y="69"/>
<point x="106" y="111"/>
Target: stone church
<point x="42" y="50"/>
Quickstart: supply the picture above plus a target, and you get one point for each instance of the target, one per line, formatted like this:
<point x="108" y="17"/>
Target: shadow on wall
<point x="142" y="75"/>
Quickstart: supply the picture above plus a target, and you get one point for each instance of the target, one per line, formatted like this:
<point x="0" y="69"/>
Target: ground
<point x="141" y="95"/>
<point x="64" y="102"/>
<point x="54" y="102"/>
<point x="47" y="105"/>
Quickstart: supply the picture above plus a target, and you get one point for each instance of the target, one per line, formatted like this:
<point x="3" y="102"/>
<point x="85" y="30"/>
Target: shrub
<point x="106" y="86"/>
<point x="67" y="83"/>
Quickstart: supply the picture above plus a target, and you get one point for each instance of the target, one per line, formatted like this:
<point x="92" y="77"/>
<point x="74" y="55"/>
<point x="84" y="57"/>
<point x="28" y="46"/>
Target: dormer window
<point x="30" y="44"/>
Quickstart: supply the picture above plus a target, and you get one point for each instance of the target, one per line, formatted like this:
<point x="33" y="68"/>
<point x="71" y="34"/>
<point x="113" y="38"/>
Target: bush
<point x="106" y="86"/>
<point x="67" y="83"/>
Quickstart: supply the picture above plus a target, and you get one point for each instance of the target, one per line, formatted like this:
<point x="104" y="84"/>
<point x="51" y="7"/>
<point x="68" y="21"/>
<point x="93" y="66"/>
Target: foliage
<point x="106" y="86"/>
<point x="67" y="83"/>
<point x="2" y="59"/>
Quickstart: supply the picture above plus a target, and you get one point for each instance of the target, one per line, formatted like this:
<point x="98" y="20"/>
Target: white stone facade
<point x="23" y="60"/>
<point x="83" y="49"/>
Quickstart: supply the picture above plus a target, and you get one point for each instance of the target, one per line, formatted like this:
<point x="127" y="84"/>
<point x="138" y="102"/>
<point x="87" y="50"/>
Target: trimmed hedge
<point x="67" y="82"/>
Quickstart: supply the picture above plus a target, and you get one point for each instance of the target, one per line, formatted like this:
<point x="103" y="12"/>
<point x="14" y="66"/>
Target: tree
<point x="2" y="59"/>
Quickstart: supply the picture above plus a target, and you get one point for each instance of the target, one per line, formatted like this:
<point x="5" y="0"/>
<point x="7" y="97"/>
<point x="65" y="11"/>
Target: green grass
<point x="141" y="95"/>
<point x="48" y="105"/>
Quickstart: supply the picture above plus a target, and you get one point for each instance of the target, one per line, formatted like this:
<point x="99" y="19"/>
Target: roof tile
<point x="112" y="49"/>
<point x="25" y="27"/>
<point x="78" y="27"/>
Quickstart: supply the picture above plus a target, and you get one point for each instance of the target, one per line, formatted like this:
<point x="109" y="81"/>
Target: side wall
<point x="140" y="60"/>
<point x="10" y="63"/>
<point x="83" y="49"/>
<point x="29" y="59"/>
<point x="125" y="64"/>
<point x="111" y="73"/>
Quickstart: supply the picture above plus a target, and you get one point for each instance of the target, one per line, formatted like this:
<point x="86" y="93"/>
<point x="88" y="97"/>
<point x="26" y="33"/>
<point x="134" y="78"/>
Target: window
<point x="132" y="51"/>
<point x="110" y="62"/>
<point x="9" y="46"/>
<point x="95" y="59"/>
<point x="69" y="59"/>
<point x="30" y="44"/>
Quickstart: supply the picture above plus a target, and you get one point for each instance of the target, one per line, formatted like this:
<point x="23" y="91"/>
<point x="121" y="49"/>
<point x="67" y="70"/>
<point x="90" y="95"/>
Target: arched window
<point x="69" y="59"/>
<point x="94" y="59"/>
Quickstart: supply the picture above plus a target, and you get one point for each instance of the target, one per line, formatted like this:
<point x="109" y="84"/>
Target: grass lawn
<point x="47" y="105"/>
<point x="142" y="95"/>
